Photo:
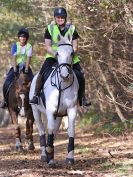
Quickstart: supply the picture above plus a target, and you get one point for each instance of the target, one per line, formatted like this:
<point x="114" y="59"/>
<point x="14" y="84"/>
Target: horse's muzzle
<point x="65" y="73"/>
<point x="66" y="77"/>
<point x="21" y="111"/>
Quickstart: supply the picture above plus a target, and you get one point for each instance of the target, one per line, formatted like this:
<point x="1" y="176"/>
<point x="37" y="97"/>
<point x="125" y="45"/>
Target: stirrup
<point x="34" y="100"/>
<point x="85" y="102"/>
<point x="3" y="104"/>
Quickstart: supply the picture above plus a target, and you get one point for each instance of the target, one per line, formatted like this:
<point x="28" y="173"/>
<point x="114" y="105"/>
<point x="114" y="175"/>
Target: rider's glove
<point x="72" y="53"/>
<point x="26" y="71"/>
<point x="15" y="73"/>
<point x="55" y="54"/>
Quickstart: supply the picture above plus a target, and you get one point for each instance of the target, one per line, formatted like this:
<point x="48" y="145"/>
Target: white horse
<point x="61" y="95"/>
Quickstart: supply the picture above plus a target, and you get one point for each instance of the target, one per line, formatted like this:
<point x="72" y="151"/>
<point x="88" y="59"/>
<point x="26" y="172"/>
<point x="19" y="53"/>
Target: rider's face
<point x="60" y="20"/>
<point x="22" y="40"/>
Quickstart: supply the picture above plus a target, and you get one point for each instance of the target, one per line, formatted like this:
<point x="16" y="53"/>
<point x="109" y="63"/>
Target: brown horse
<point x="18" y="104"/>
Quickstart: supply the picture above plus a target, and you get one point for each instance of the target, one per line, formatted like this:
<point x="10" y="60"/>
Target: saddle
<point x="43" y="79"/>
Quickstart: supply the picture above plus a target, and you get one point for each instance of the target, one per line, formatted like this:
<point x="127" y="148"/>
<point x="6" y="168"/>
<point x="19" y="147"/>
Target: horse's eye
<point x="72" y="54"/>
<point x="24" y="84"/>
<point x="56" y="55"/>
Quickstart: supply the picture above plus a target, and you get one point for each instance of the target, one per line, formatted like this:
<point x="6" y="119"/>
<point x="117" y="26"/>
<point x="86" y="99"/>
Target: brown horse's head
<point x="22" y="87"/>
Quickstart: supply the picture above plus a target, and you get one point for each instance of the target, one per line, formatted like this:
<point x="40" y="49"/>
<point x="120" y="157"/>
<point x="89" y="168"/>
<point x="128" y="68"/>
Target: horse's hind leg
<point x="41" y="129"/>
<point x="29" y="130"/>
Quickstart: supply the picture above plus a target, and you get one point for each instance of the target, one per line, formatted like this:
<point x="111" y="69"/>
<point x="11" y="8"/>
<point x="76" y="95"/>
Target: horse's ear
<point x="28" y="85"/>
<point x="17" y="87"/>
<point x="60" y="37"/>
<point x="69" y="37"/>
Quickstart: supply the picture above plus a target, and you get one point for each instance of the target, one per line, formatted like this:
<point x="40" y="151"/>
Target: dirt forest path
<point x="105" y="156"/>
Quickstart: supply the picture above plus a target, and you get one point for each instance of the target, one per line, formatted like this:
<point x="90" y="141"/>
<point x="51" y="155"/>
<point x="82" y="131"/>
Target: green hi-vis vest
<point x="54" y="32"/>
<point x="21" y="58"/>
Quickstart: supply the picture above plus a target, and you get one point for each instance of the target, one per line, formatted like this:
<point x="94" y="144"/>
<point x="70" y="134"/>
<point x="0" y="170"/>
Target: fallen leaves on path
<point x="94" y="156"/>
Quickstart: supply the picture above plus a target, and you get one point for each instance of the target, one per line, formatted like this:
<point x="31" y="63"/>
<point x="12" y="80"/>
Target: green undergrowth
<point x="104" y="124"/>
<point x="118" y="168"/>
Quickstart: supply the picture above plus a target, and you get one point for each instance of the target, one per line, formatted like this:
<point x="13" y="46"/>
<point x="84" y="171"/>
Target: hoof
<point x="31" y="147"/>
<point x="19" y="148"/>
<point x="50" y="154"/>
<point x="49" y="149"/>
<point x="69" y="161"/>
<point x="51" y="164"/>
<point x="44" y="159"/>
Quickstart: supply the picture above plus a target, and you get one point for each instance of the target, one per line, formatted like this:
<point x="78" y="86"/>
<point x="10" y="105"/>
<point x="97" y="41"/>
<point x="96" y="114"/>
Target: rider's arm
<point x="75" y="45"/>
<point x="29" y="55"/>
<point x="48" y="43"/>
<point x="48" y="46"/>
<point x="14" y="53"/>
<point x="75" y="40"/>
<point x="27" y="64"/>
<point x="14" y="63"/>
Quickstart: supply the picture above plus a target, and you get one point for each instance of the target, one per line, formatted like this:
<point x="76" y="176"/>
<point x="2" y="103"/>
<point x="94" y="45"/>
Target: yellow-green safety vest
<point x="21" y="58"/>
<point x="55" y="32"/>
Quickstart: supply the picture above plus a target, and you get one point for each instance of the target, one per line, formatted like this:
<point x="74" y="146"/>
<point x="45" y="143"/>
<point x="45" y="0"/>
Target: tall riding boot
<point x="6" y="87"/>
<point x="83" y="101"/>
<point x="3" y="104"/>
<point x="38" y="87"/>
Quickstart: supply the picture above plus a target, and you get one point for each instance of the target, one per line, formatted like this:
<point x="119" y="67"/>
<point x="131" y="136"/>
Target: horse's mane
<point x="23" y="76"/>
<point x="64" y="40"/>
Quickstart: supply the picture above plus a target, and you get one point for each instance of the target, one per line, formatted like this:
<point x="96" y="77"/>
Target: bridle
<point x="57" y="73"/>
<point x="22" y="96"/>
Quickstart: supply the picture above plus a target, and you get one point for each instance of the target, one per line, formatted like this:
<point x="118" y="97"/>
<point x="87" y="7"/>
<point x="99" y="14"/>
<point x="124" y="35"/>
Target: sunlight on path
<point x="94" y="156"/>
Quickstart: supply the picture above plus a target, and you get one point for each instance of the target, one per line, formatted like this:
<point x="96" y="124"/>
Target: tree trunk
<point x="118" y="111"/>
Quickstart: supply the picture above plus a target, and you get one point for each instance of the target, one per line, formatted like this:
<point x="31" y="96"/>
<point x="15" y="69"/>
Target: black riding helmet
<point x="23" y="33"/>
<point x="60" y="11"/>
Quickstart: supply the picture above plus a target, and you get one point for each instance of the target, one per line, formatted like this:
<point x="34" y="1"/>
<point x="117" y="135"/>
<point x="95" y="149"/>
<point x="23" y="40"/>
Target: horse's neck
<point x="12" y="92"/>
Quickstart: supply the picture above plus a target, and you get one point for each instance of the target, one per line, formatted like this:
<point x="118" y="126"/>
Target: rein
<point x="56" y="72"/>
<point x="57" y="84"/>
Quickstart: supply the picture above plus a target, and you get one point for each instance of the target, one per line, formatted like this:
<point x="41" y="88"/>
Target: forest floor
<point x="105" y="156"/>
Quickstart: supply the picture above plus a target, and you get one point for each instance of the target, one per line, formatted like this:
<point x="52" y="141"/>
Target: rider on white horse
<point x="60" y="27"/>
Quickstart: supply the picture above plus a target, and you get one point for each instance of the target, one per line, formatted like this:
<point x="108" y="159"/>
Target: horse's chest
<point x="60" y="101"/>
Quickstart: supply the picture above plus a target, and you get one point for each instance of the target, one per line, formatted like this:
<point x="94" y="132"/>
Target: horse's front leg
<point x="72" y="113"/>
<point x="57" y="125"/>
<point x="14" y="119"/>
<point x="29" y="129"/>
<point x="41" y="130"/>
<point x="50" y="141"/>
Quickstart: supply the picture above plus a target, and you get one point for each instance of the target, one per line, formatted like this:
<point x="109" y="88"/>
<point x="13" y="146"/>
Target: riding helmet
<point x="23" y="32"/>
<point x="60" y="11"/>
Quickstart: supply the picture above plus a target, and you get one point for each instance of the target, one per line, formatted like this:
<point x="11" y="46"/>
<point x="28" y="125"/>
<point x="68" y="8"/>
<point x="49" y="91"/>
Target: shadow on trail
<point x="92" y="158"/>
<point x="26" y="162"/>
